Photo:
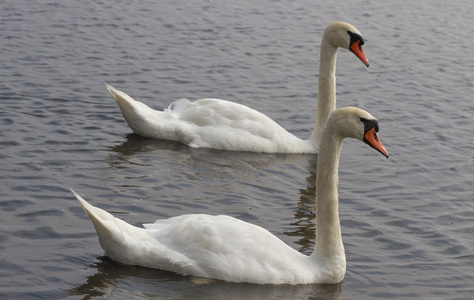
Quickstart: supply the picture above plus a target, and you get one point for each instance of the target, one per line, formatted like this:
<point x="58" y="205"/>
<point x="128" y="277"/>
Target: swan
<point x="225" y="248"/>
<point x="225" y="125"/>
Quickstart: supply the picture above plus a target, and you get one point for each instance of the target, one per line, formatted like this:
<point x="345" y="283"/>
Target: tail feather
<point x="121" y="241"/>
<point x="118" y="94"/>
<point x="138" y="115"/>
<point x="123" y="100"/>
<point x="105" y="224"/>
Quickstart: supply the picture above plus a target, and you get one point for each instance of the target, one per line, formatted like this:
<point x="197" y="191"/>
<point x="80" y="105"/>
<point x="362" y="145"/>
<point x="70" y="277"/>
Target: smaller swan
<point x="226" y="248"/>
<point x="225" y="125"/>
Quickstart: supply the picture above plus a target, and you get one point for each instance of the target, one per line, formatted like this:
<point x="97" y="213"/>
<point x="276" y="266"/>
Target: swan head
<point x="357" y="123"/>
<point x="345" y="35"/>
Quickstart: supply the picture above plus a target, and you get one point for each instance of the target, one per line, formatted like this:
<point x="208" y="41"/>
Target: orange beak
<point x="359" y="52"/>
<point x="373" y="140"/>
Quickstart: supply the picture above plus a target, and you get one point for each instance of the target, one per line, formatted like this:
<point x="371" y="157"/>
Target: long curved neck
<point x="328" y="228"/>
<point x="326" y="87"/>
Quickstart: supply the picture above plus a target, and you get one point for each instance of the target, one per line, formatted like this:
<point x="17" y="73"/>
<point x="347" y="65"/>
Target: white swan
<point x="225" y="248"/>
<point x="220" y="124"/>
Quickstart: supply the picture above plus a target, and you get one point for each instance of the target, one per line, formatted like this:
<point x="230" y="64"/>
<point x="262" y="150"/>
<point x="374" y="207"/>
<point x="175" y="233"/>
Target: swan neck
<point x="326" y="86"/>
<point x="328" y="228"/>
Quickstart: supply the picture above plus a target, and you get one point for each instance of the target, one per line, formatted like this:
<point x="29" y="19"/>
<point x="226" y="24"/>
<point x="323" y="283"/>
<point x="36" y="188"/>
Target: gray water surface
<point x="407" y="222"/>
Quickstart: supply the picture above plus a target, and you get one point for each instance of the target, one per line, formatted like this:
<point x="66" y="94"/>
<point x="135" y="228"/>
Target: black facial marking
<point x="354" y="38"/>
<point x="369" y="124"/>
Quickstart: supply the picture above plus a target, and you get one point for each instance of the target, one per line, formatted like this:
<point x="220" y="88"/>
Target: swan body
<point x="225" y="125"/>
<point x="225" y="248"/>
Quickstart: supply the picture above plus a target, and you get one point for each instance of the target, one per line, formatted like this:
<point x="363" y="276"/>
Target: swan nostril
<point x="376" y="137"/>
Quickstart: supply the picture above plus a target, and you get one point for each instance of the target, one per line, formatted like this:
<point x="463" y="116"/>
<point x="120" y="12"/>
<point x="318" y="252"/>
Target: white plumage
<point x="225" y="248"/>
<point x="225" y="125"/>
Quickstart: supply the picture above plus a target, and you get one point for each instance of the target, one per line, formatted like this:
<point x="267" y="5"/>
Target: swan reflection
<point x="114" y="280"/>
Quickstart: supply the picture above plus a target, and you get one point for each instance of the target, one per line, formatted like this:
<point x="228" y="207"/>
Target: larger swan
<point x="225" y="248"/>
<point x="220" y="124"/>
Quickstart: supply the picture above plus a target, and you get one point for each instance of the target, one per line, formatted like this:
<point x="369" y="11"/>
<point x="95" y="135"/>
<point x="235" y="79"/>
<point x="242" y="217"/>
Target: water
<point x="406" y="221"/>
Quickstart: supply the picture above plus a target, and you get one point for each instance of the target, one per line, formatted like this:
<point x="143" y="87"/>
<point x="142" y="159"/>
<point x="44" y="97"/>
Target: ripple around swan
<point x="406" y="221"/>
